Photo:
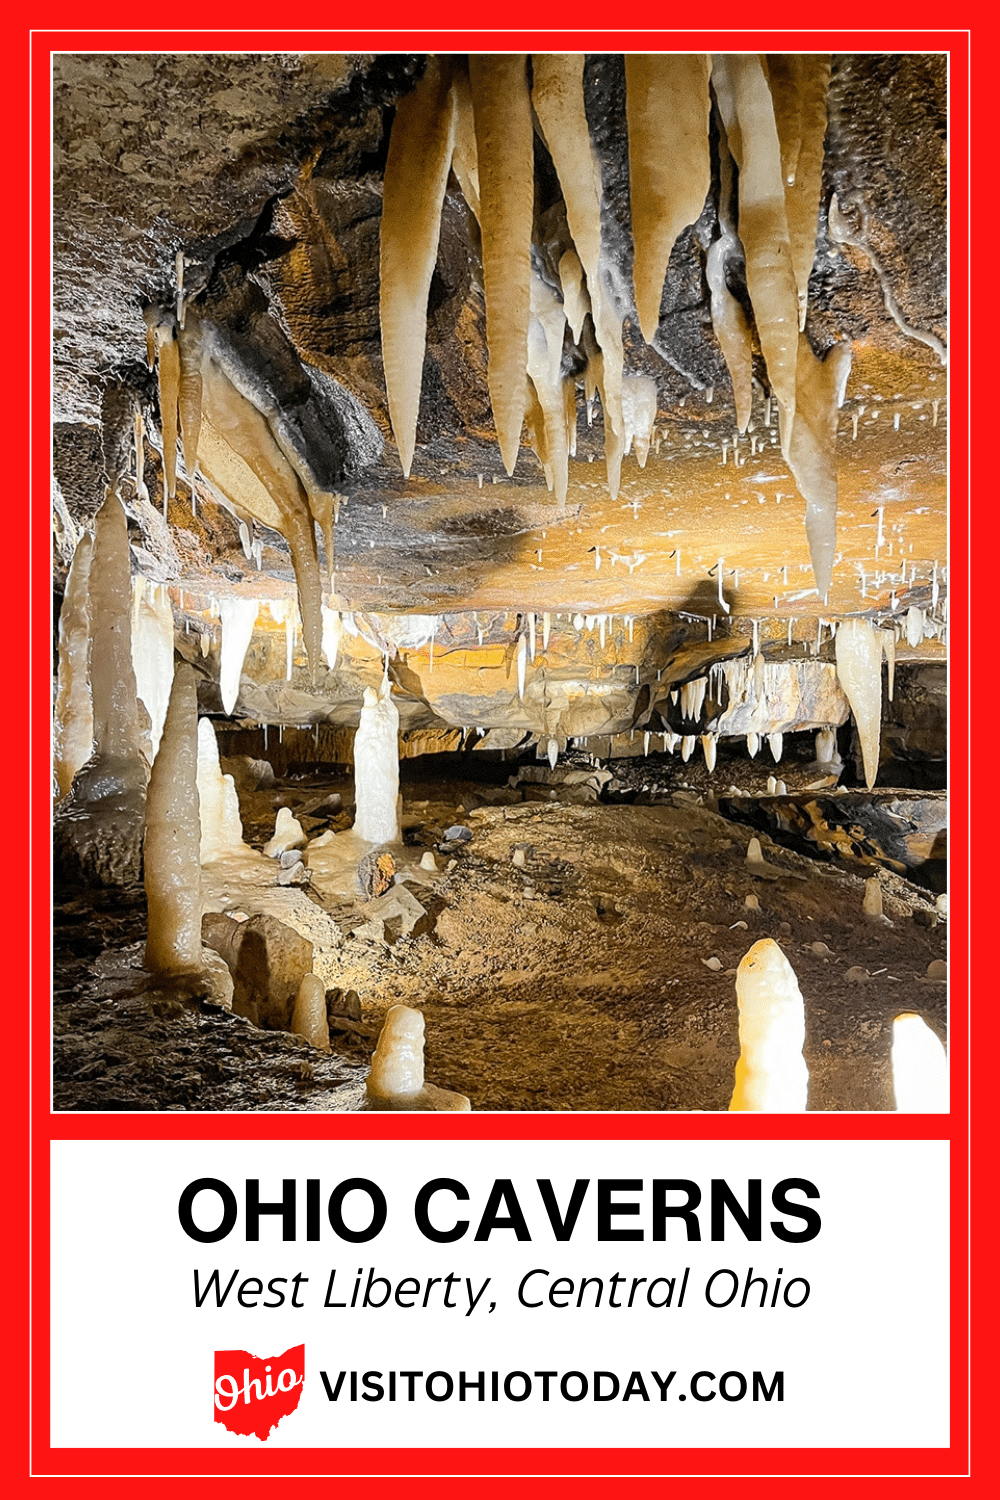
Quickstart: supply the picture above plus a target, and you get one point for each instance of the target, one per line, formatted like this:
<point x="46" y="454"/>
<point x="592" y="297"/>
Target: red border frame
<point x="80" y="1467"/>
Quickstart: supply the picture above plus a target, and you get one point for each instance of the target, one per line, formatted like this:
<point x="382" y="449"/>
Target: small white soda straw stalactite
<point x="771" y="1075"/>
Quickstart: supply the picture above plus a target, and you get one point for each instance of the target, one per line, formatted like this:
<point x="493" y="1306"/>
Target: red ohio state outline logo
<point x="252" y="1395"/>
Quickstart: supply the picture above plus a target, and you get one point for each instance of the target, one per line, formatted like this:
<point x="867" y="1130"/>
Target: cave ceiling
<point x="266" y="175"/>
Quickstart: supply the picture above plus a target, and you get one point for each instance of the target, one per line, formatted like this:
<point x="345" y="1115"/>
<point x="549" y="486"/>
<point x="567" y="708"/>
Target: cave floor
<point x="576" y="980"/>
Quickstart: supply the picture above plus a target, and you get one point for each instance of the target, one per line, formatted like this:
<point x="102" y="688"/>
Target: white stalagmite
<point x="172" y="867"/>
<point x="859" y="667"/>
<point x="667" y="105"/>
<point x="416" y="175"/>
<point x="112" y="676"/>
<point x="919" y="1067"/>
<point x="238" y="617"/>
<point x="810" y="447"/>
<point x="152" y="651"/>
<point x="288" y="834"/>
<point x="376" y="769"/>
<point x="771" y="1075"/>
<point x="872" y="903"/>
<point x="221" y="827"/>
<point x="309" y="1013"/>
<point x="505" y="153"/>
<point x="74" y="713"/>
<point x="826" y="745"/>
<point x="396" y="1080"/>
<point x="799" y="84"/>
<point x="748" y="114"/>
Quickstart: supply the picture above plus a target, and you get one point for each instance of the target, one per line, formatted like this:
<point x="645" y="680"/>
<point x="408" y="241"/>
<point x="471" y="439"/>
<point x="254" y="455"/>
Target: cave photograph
<point x="500" y="581"/>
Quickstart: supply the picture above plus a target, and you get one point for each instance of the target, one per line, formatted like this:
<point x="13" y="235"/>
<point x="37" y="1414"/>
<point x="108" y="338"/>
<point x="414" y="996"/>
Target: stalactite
<point x="172" y="868"/>
<point x="574" y="293"/>
<point x="811" y="449"/>
<point x="416" y="175"/>
<point x="889" y="652"/>
<point x="465" y="162"/>
<point x="729" y="321"/>
<point x="748" y="114"/>
<point x="858" y="648"/>
<point x="331" y="636"/>
<point x="152" y="652"/>
<point x="238" y="618"/>
<point x="639" y="400"/>
<point x="557" y="97"/>
<point x="168" y="367"/>
<point x="247" y="432"/>
<point x="189" y="391"/>
<point x="74" y="713"/>
<point x="505" y="155"/>
<point x="799" y="84"/>
<point x="667" y="106"/>
<point x="545" y="339"/>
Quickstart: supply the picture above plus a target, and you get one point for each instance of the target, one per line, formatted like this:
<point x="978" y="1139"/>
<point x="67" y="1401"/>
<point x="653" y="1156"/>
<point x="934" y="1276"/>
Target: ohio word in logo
<point x="252" y="1395"/>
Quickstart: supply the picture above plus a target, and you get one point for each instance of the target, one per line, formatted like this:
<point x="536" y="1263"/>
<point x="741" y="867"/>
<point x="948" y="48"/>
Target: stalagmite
<point x="810" y="446"/>
<point x="99" y="825"/>
<point x="858" y="649"/>
<point x="152" y="651"/>
<point x="396" y="1080"/>
<point x="74" y="714"/>
<point x="189" y="391"/>
<point x="505" y="154"/>
<point x="172" y="868"/>
<point x="667" y="107"/>
<point x="776" y="742"/>
<point x="771" y="1075"/>
<point x="748" y="114"/>
<point x="416" y="175"/>
<point x="522" y="655"/>
<point x="826" y="745"/>
<point x="872" y="903"/>
<point x="168" y="370"/>
<point x="221" y="826"/>
<point x="309" y="1013"/>
<point x="376" y="768"/>
<point x="799" y="84"/>
<point x="708" y="745"/>
<point x="288" y="833"/>
<point x="238" y="617"/>
<point x="919" y="1067"/>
